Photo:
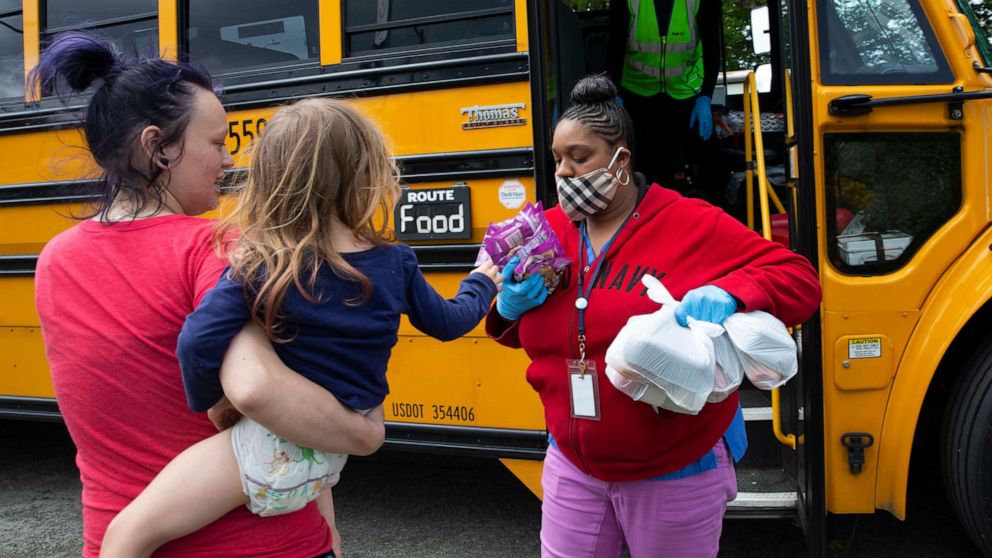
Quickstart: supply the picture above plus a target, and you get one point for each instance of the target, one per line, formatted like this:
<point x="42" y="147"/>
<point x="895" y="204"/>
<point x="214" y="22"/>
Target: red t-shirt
<point x="112" y="299"/>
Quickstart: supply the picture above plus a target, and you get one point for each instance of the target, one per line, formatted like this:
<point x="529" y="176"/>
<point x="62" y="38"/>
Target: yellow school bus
<point x="869" y="154"/>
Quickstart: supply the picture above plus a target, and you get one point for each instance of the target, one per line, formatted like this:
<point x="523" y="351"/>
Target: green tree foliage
<point x="737" y="26"/>
<point x="737" y="34"/>
<point x="983" y="10"/>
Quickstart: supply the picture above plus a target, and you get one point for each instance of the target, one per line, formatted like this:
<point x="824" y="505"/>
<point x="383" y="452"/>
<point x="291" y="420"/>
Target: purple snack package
<point x="545" y="258"/>
<point x="529" y="236"/>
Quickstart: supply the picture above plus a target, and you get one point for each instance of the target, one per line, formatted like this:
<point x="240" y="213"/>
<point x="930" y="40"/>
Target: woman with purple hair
<point x="113" y="292"/>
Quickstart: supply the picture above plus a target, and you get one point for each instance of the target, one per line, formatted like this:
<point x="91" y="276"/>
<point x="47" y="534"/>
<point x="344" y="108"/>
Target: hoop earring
<point x="623" y="177"/>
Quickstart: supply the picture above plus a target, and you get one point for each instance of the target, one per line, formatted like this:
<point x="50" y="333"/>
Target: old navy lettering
<point x="617" y="279"/>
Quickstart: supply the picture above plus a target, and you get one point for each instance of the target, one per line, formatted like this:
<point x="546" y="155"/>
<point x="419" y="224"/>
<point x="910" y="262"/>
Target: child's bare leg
<point x="199" y="486"/>
<point x="325" y="503"/>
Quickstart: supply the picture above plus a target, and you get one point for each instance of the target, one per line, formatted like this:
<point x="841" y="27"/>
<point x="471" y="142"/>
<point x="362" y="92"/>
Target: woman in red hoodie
<point x="617" y="472"/>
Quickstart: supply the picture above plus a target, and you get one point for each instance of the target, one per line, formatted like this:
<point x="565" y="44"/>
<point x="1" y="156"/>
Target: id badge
<point x="584" y="387"/>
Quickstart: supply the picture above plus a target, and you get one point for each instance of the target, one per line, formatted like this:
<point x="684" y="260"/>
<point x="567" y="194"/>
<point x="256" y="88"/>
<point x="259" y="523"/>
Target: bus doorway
<point x="779" y="476"/>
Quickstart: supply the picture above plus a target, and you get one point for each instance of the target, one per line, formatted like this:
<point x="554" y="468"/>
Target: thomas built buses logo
<point x="494" y="116"/>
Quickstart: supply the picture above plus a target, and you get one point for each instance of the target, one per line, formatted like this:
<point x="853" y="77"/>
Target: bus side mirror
<point x="760" y="30"/>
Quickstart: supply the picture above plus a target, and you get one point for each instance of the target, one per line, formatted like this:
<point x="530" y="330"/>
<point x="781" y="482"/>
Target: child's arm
<point x="325" y="503"/>
<point x="205" y="338"/>
<point x="448" y="319"/>
<point x="262" y="388"/>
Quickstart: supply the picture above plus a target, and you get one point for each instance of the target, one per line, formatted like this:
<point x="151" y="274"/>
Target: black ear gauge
<point x="164" y="161"/>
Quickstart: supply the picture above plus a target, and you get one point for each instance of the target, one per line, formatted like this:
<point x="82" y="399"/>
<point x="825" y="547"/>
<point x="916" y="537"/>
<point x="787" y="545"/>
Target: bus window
<point x="228" y="36"/>
<point x="879" y="42"/>
<point x="373" y="26"/>
<point x="132" y="24"/>
<point x="11" y="50"/>
<point x="890" y="192"/>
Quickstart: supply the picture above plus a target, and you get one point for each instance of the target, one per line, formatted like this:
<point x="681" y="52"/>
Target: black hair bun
<point x="594" y="89"/>
<point x="75" y="60"/>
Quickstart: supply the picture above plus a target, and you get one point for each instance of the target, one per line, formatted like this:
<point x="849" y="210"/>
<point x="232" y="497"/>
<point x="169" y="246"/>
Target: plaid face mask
<point x="589" y="194"/>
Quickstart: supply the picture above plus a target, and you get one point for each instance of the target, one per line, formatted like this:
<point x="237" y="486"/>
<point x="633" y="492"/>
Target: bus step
<point x="763" y="450"/>
<point x="764" y="492"/>
<point x="757" y="405"/>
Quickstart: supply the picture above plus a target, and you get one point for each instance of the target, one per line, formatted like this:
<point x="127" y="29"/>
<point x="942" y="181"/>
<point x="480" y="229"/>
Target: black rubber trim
<point x="446" y="257"/>
<point x="467" y="165"/>
<point x="760" y="513"/>
<point x="18" y="265"/>
<point x="460" y="440"/>
<point x="40" y="409"/>
<point x="350" y="79"/>
<point x="48" y="193"/>
<point x="431" y="257"/>
<point x="75" y="191"/>
<point x="812" y="496"/>
<point x="467" y="440"/>
<point x="435" y="167"/>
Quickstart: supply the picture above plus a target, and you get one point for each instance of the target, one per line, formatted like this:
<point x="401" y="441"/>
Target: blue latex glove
<point x="517" y="298"/>
<point x="703" y="114"/>
<point x="708" y="304"/>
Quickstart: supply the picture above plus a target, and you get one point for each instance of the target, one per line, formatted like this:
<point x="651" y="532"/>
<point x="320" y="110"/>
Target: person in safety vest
<point x="665" y="55"/>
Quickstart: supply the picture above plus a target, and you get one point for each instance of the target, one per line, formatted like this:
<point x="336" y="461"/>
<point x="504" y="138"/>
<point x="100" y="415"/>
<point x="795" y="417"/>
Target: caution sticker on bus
<point x="434" y="213"/>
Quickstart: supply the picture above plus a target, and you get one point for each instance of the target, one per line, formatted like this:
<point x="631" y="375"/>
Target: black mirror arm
<point x="981" y="69"/>
<point x="860" y="104"/>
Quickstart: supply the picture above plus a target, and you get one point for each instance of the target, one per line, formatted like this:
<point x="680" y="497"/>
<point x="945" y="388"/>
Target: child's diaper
<point x="279" y="476"/>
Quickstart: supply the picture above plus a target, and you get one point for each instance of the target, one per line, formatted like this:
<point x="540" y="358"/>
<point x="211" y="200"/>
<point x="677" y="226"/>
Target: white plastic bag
<point x="729" y="369"/>
<point x="765" y="348"/>
<point x="637" y="389"/>
<point x="654" y="350"/>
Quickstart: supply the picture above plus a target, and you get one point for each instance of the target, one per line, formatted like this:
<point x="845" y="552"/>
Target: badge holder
<point x="583" y="383"/>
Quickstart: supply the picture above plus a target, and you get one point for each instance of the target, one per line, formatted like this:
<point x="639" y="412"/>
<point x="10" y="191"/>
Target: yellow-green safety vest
<point x="678" y="57"/>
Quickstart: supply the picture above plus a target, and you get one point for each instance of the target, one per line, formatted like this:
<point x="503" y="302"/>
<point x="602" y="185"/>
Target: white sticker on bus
<point x="864" y="347"/>
<point x="512" y="194"/>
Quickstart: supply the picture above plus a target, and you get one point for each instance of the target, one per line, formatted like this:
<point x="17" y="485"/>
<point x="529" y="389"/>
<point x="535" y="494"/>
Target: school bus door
<point x="900" y="148"/>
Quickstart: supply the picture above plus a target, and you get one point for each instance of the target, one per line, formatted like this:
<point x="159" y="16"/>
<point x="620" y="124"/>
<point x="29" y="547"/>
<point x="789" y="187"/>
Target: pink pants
<point x="681" y="518"/>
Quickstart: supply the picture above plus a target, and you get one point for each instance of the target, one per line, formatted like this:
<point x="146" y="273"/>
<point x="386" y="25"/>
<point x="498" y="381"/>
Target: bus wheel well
<point x="926" y="455"/>
<point x="961" y="349"/>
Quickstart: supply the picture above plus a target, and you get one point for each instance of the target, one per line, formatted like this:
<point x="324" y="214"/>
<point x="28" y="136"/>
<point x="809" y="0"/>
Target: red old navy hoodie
<point x="686" y="243"/>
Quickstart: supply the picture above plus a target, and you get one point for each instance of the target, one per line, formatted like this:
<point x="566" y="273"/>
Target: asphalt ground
<point x="426" y="506"/>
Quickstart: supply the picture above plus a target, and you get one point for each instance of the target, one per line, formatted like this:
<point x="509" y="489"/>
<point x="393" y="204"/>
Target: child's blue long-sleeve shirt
<point x="343" y="348"/>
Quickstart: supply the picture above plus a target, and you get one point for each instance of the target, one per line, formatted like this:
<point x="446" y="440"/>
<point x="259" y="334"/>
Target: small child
<point x="313" y="269"/>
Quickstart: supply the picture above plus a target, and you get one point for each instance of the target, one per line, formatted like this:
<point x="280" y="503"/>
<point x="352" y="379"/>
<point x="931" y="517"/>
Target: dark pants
<point x="664" y="144"/>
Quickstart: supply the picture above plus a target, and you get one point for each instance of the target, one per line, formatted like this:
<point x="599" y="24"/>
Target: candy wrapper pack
<point x="529" y="236"/>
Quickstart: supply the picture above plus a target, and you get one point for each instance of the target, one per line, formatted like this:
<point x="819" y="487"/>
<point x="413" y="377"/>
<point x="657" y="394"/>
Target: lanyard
<point x="582" y="301"/>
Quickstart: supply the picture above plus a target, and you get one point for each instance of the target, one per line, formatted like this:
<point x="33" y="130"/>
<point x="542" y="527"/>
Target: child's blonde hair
<point x="315" y="159"/>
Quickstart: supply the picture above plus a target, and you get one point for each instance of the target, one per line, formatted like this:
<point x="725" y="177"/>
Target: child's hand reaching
<point x="490" y="270"/>
<point x="223" y="414"/>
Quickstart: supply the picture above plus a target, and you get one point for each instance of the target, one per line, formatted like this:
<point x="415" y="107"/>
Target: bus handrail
<point x="755" y="162"/>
